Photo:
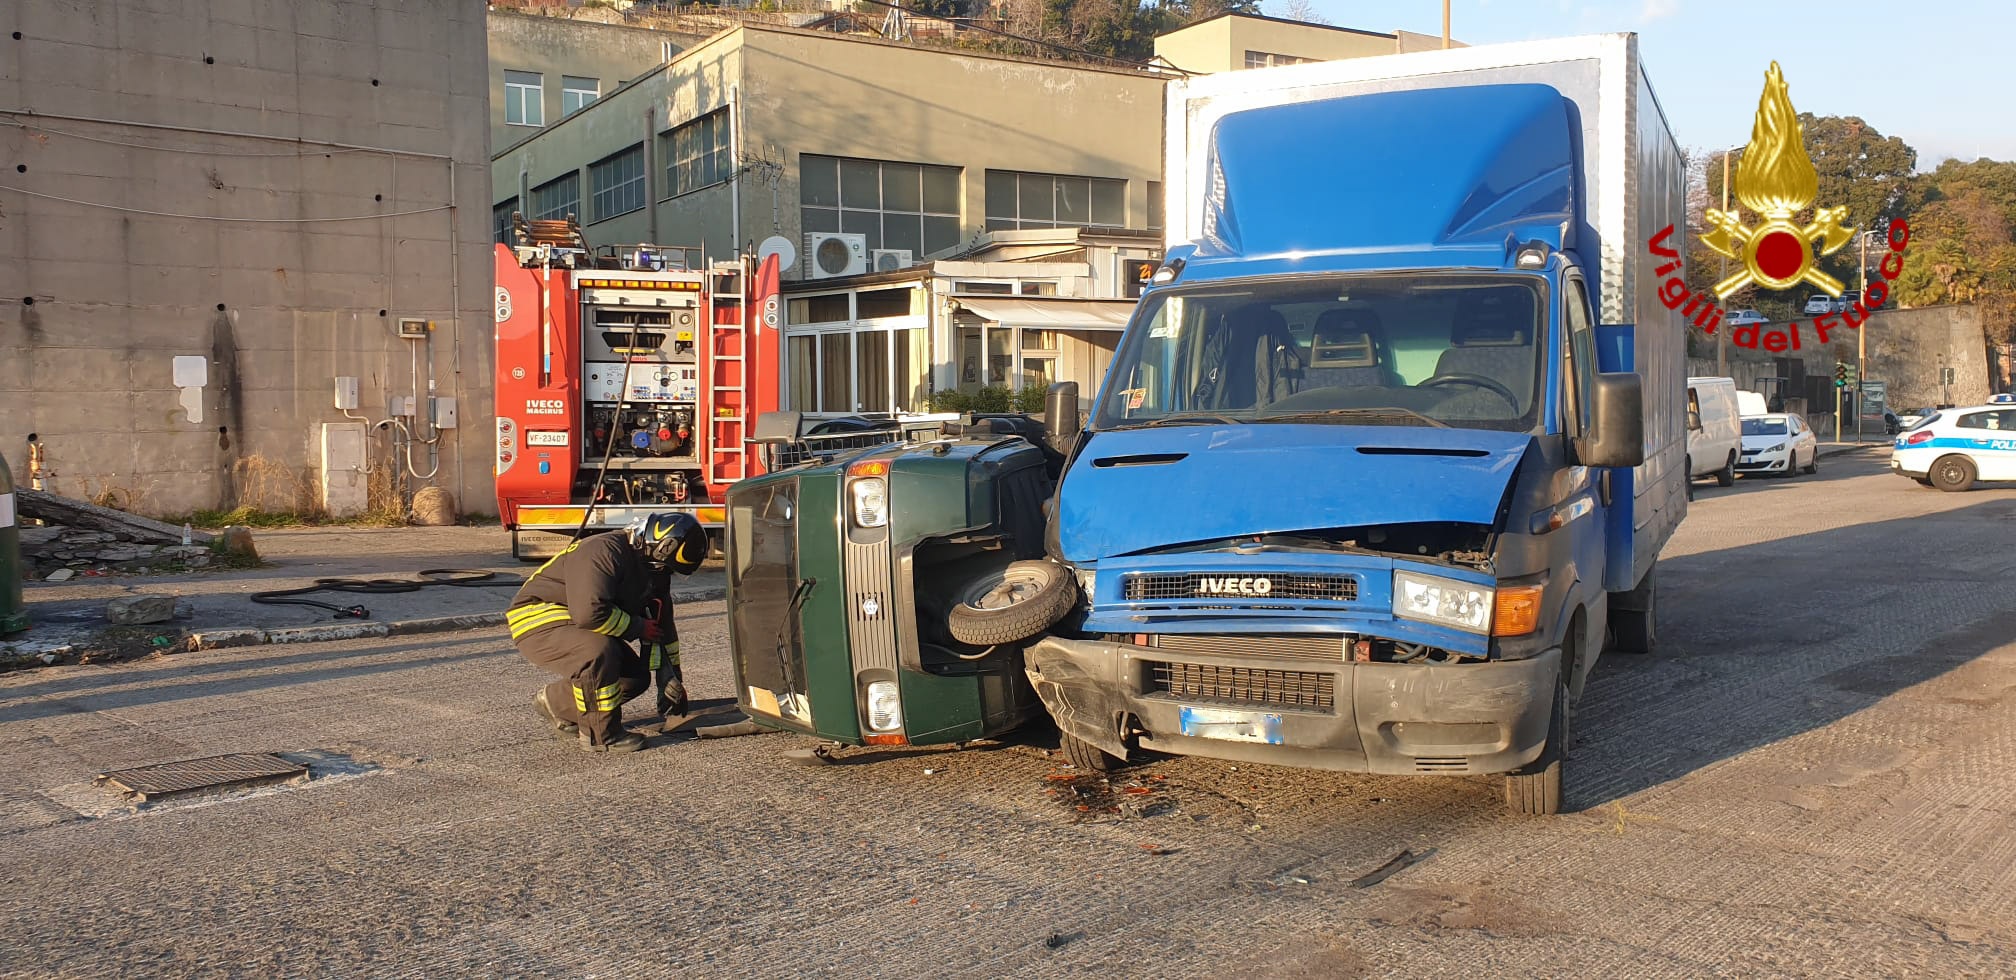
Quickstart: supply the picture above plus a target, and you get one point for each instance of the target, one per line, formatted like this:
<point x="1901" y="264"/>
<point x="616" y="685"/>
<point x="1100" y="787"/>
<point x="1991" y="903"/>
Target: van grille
<point x="1328" y="647"/>
<point x="1243" y="685"/>
<point x="1199" y="585"/>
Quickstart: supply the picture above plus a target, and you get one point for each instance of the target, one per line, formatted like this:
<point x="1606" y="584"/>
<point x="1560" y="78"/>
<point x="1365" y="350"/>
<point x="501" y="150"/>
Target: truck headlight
<point x="1444" y="602"/>
<point x="885" y="708"/>
<point x="871" y="501"/>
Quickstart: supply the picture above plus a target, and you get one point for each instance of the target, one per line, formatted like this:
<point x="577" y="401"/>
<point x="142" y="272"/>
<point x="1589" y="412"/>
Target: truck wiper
<point x="1185" y="418"/>
<point x="1366" y="416"/>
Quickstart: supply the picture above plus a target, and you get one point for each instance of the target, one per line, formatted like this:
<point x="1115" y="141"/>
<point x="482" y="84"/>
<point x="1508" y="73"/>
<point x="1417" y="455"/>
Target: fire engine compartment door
<point x="658" y="345"/>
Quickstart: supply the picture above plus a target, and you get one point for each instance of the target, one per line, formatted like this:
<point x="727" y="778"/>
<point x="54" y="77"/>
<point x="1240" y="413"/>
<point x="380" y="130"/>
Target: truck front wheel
<point x="1087" y="756"/>
<point x="1011" y="604"/>
<point x="1535" y="789"/>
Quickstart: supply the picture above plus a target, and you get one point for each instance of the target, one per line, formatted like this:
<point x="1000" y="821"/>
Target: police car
<point x="1954" y="447"/>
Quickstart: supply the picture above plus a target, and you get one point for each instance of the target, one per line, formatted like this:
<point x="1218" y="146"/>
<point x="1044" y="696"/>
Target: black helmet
<point x="672" y="541"/>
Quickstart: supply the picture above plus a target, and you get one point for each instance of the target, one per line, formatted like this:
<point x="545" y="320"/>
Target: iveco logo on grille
<point x="1207" y="585"/>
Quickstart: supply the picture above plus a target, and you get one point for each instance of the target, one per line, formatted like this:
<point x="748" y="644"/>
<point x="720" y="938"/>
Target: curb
<point x="220" y="639"/>
<point x="1826" y="450"/>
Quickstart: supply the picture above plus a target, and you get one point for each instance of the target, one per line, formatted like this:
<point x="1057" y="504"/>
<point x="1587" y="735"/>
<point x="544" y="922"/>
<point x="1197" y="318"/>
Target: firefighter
<point x="576" y="614"/>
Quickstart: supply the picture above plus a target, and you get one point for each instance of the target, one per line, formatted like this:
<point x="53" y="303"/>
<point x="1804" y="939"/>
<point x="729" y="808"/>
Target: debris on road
<point x="73" y="513"/>
<point x="1399" y="862"/>
<point x="139" y="610"/>
<point x="1059" y="940"/>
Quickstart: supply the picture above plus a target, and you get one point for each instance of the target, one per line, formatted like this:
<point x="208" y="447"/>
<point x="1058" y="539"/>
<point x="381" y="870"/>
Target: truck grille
<point x="1279" y="585"/>
<point x="1243" y="685"/>
<point x="1328" y="647"/>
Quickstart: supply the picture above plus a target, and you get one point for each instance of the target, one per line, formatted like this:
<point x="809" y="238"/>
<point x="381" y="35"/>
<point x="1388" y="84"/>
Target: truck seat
<point x="1260" y="359"/>
<point x="1348" y="347"/>
<point x="1493" y="338"/>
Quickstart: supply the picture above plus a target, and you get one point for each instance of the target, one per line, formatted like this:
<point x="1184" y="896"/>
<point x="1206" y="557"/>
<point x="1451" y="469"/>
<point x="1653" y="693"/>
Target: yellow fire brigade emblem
<point x="1776" y="179"/>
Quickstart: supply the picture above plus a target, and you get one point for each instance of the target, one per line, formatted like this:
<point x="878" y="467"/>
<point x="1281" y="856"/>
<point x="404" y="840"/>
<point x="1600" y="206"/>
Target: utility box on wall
<point x="345" y="490"/>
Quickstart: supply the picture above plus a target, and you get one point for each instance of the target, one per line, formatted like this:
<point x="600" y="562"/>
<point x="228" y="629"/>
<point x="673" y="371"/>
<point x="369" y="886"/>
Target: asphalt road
<point x="1814" y="775"/>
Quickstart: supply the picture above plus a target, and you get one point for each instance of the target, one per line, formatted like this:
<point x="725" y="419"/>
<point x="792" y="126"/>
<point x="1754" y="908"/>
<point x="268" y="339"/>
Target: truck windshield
<point x="1428" y="349"/>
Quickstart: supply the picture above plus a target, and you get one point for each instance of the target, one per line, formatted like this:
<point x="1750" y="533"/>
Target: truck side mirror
<point x="1616" y="435"/>
<point x="1060" y="416"/>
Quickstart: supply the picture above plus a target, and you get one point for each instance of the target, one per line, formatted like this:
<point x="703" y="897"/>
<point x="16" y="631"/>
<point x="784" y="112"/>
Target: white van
<point x="1751" y="403"/>
<point x="1714" y="429"/>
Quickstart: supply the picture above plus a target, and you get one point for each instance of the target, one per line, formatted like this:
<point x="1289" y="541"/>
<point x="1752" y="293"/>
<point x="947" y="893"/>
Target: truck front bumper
<point x="1394" y="719"/>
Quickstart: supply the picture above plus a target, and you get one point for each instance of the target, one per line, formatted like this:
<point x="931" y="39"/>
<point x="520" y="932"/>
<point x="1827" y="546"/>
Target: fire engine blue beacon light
<point x="545" y="467"/>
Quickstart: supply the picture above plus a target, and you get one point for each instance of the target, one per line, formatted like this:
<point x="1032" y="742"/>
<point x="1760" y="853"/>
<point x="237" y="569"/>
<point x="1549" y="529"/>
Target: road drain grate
<point x="167" y="780"/>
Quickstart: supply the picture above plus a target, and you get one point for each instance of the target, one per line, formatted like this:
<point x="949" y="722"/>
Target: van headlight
<point x="871" y="501"/>
<point x="885" y="708"/>
<point x="1444" y="602"/>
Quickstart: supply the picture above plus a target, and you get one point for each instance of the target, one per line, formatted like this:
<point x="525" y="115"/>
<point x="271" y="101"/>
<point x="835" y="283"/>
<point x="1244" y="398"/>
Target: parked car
<point x="1848" y="300"/>
<point x="1817" y="304"/>
<point x="1742" y="318"/>
<point x="1912" y="416"/>
<point x="1714" y="435"/>
<point x="1953" y="449"/>
<point x="1779" y="443"/>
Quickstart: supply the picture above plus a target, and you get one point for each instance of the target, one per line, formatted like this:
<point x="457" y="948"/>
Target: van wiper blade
<point x="1185" y="418"/>
<point x="1365" y="416"/>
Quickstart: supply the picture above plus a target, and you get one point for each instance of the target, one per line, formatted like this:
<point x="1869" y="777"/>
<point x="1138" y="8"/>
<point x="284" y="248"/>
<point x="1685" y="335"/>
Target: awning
<point x="1051" y="312"/>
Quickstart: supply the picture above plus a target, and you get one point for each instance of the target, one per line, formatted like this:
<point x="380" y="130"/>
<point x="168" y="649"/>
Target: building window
<point x="1154" y="205"/>
<point x="500" y="219"/>
<point x="1017" y="200"/>
<point x="524" y="98"/>
<point x="697" y="154"/>
<point x="617" y="183"/>
<point x="1263" y="59"/>
<point x="894" y="205"/>
<point x="558" y="198"/>
<point x="576" y="93"/>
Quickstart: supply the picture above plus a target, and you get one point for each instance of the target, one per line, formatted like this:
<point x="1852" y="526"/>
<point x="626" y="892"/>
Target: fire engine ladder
<point x="727" y="373"/>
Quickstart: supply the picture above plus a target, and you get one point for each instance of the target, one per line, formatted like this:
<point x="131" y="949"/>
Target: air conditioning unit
<point x="890" y="259"/>
<point x="830" y="254"/>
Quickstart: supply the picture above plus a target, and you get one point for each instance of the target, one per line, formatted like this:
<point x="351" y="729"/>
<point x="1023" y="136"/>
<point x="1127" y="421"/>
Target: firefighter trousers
<point x="601" y="674"/>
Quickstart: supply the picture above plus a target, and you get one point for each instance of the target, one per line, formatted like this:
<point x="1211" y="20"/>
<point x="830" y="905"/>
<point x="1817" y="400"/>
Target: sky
<point x="1941" y="74"/>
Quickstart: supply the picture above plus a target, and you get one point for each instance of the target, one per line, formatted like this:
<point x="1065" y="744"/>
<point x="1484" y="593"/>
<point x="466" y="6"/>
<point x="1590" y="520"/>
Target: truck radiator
<point x="1279" y="585"/>
<point x="1325" y="647"/>
<point x="1243" y="685"/>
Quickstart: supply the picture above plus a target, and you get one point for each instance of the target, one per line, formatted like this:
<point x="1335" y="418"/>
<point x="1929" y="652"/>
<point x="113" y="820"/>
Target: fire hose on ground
<point x="455" y="577"/>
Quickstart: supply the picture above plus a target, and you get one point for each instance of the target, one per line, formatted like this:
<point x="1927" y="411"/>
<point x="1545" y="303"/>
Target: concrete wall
<point x="1906" y="349"/>
<point x="556" y="47"/>
<point x="240" y="105"/>
<point x="1220" y="44"/>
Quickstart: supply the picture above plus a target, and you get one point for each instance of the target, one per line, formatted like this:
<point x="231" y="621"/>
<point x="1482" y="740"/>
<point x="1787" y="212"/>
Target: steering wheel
<point x="1475" y="381"/>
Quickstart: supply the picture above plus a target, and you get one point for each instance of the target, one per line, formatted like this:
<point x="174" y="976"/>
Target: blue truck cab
<point x="1386" y="456"/>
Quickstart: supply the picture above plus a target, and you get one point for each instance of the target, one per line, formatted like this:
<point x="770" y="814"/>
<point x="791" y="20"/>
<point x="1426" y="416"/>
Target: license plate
<point x="546" y="438"/>
<point x="1232" y="726"/>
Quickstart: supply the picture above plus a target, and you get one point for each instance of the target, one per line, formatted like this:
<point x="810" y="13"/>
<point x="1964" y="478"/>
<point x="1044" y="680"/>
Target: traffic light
<point x="1840" y="375"/>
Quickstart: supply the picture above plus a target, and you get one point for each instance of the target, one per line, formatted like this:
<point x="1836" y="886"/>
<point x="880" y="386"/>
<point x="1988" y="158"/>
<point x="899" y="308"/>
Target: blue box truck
<point x="1387" y="453"/>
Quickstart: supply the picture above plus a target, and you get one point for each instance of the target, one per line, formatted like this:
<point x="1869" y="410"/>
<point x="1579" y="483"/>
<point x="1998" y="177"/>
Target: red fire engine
<point x="628" y="379"/>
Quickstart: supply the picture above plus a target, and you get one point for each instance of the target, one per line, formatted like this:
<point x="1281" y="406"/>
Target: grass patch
<point x="211" y="520"/>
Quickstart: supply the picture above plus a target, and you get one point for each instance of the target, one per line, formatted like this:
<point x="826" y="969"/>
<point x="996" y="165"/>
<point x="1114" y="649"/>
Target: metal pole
<point x="1862" y="338"/>
<point x="1445" y="23"/>
<point x="1837" y="413"/>
<point x="1722" y="336"/>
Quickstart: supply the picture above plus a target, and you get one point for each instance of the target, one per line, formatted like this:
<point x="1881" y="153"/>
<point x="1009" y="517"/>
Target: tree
<point x="1303" y="11"/>
<point x="1963" y="244"/>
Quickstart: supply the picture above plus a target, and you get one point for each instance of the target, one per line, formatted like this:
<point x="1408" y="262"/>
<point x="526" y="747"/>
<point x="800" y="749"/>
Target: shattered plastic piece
<point x="1400" y="862"/>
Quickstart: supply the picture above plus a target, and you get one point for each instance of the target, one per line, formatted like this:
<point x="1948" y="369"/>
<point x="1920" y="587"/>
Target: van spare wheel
<point x="1012" y="603"/>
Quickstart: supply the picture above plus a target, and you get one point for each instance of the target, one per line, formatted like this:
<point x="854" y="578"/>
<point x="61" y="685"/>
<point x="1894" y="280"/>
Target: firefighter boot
<point x="629" y="741"/>
<point x="561" y="727"/>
